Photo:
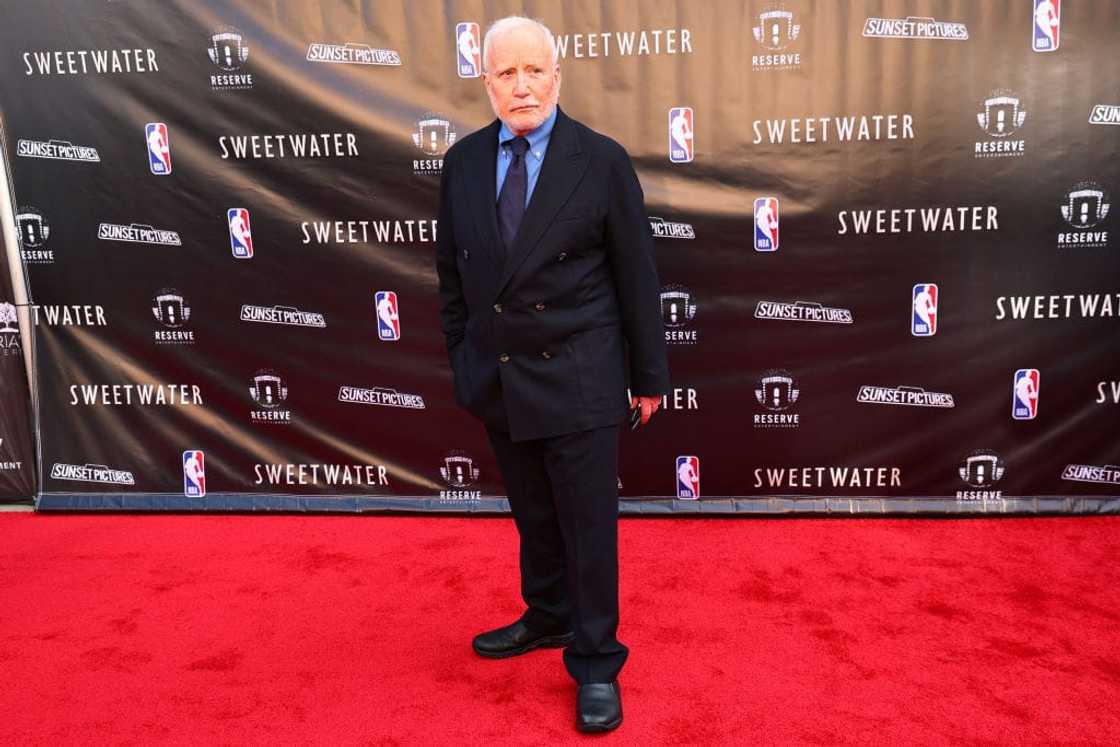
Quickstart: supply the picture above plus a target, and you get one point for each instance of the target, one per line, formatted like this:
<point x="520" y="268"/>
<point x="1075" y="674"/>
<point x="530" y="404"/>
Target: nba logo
<point x="194" y="474"/>
<point x="923" y="310"/>
<point x="159" y="148"/>
<point x="766" y="224"/>
<point x="388" y="323"/>
<point x="240" y="234"/>
<point x="688" y="477"/>
<point x="467" y="50"/>
<point x="1047" y="25"/>
<point x="680" y="134"/>
<point x="1024" y="394"/>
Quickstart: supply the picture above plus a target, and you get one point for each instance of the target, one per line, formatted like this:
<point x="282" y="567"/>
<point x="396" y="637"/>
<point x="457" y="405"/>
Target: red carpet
<point x="356" y="630"/>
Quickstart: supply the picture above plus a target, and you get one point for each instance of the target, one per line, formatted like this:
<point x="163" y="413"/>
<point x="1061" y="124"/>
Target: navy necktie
<point x="511" y="202"/>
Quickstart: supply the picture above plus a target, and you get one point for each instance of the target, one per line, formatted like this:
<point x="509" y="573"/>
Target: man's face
<point x="521" y="80"/>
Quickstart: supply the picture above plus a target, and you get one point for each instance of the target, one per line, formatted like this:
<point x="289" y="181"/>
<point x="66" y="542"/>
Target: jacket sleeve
<point x="630" y="248"/>
<point x="453" y="307"/>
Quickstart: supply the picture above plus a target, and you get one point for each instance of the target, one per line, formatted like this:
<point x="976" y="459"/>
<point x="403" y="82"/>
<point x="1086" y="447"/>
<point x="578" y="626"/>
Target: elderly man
<point x="550" y="309"/>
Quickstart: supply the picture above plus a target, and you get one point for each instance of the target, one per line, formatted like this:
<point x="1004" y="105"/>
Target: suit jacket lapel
<point x="563" y="167"/>
<point x="483" y="197"/>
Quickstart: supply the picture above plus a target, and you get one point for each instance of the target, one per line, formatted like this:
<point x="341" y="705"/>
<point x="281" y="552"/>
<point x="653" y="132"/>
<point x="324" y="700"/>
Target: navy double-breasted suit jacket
<point x="544" y="338"/>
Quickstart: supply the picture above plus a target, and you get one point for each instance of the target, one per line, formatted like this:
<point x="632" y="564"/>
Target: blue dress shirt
<point x="534" y="157"/>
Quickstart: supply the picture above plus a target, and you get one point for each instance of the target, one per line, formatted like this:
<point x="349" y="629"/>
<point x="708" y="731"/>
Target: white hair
<point x="509" y="23"/>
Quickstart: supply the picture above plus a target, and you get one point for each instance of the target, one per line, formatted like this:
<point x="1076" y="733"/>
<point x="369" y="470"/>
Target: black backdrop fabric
<point x="17" y="450"/>
<point x="883" y="230"/>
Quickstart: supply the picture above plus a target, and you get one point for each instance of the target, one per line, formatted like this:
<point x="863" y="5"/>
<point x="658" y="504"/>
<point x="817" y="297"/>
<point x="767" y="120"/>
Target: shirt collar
<point x="538" y="138"/>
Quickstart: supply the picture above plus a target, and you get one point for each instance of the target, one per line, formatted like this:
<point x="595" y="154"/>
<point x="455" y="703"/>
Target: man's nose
<point x="521" y="87"/>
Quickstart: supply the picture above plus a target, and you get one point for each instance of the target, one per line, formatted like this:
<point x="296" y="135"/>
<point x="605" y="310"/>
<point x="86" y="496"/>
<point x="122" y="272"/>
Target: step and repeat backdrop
<point x="17" y="451"/>
<point x="884" y="230"/>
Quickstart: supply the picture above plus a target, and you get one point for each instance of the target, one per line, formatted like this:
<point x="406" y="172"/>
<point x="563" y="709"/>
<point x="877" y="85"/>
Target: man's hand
<point x="649" y="406"/>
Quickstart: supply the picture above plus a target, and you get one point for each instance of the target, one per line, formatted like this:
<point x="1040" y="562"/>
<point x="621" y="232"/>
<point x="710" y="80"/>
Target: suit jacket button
<point x="539" y="307"/>
<point x="466" y="254"/>
<point x="561" y="256"/>
<point x="497" y="308"/>
<point x="504" y="358"/>
<point x="546" y="355"/>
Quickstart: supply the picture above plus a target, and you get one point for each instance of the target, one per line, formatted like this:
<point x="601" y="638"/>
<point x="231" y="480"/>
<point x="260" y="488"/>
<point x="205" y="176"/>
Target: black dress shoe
<point x="515" y="639"/>
<point x="598" y="706"/>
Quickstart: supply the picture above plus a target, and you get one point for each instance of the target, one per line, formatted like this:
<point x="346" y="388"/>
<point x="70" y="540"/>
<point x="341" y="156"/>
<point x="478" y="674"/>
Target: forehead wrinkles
<point x="519" y="47"/>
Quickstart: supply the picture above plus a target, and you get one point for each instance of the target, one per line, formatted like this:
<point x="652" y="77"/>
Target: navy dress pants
<point x="563" y="492"/>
